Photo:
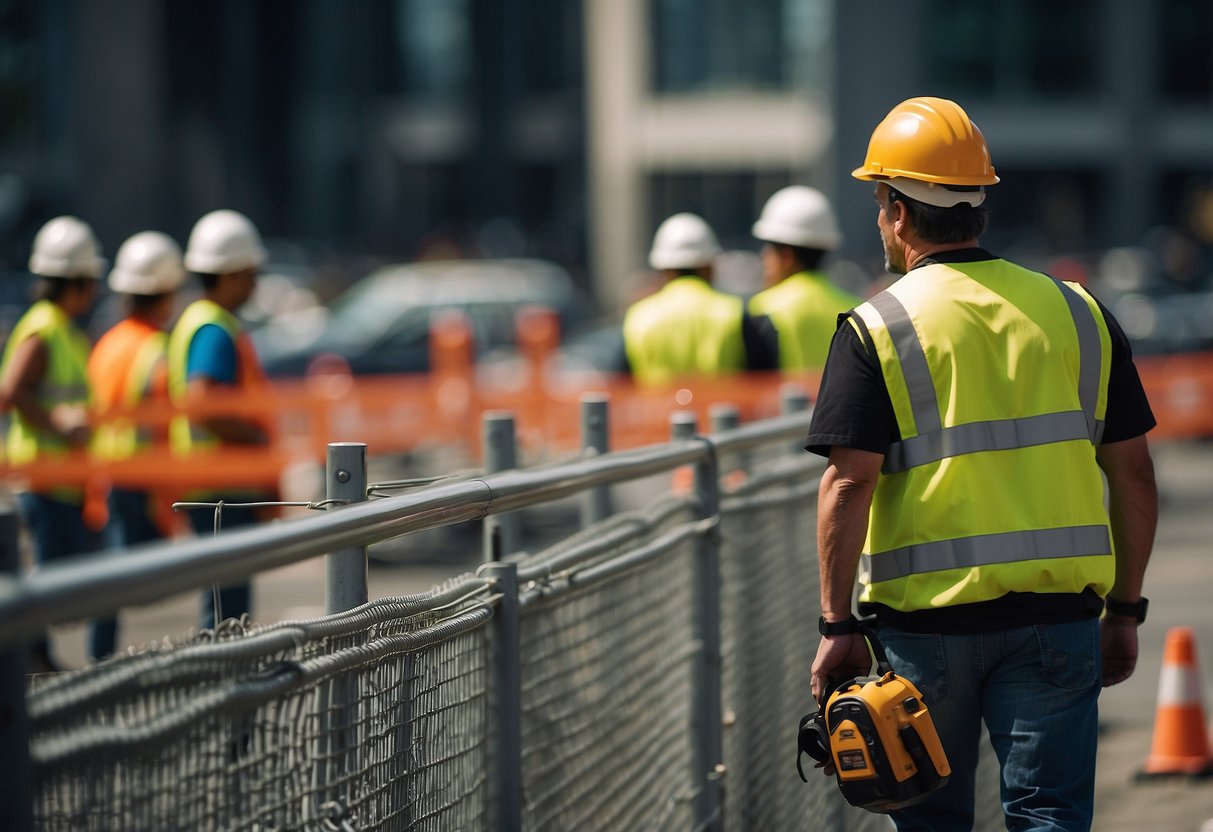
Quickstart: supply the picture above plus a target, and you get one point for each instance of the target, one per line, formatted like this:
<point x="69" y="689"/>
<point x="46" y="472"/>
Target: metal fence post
<point x="500" y="454"/>
<point x="793" y="399"/>
<point x="722" y="417"/>
<point x="16" y="771"/>
<point x="345" y="571"/>
<point x="595" y="436"/>
<point x="504" y="770"/>
<point x="706" y="710"/>
<point x="345" y="588"/>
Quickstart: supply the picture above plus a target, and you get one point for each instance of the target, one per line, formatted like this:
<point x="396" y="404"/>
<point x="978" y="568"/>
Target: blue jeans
<point x="235" y="599"/>
<point x="56" y="531"/>
<point x="1036" y="688"/>
<point x="130" y="523"/>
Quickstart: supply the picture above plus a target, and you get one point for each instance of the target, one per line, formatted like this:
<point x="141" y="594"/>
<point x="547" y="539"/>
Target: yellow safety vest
<point x="685" y="329"/>
<point x="121" y="372"/>
<point x="998" y="378"/>
<point x="186" y="436"/>
<point x="804" y="309"/>
<point x="64" y="383"/>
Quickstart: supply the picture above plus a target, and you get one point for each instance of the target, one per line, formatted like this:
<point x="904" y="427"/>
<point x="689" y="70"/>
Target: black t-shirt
<point x="853" y="410"/>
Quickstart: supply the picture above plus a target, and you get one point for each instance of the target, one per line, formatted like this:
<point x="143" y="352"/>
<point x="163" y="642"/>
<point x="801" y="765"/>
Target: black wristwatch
<point x="1128" y="609"/>
<point x="837" y="628"/>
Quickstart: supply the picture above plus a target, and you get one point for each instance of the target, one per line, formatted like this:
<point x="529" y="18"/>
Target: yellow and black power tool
<point x="878" y="734"/>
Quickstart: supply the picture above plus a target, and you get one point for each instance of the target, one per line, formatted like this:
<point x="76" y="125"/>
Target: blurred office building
<point x="568" y="129"/>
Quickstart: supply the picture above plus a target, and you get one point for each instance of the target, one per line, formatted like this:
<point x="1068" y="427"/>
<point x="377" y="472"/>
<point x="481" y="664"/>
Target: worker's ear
<point x="899" y="217"/>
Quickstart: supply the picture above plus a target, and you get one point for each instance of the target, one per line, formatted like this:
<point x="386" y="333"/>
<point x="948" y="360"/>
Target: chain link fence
<point x="396" y="715"/>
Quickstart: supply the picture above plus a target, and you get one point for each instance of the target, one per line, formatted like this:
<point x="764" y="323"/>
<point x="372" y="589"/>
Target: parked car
<point x="381" y="324"/>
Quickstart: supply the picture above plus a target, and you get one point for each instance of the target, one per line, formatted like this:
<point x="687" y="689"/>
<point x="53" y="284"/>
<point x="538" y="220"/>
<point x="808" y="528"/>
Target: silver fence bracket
<point x="501" y="531"/>
<point x="595" y="436"/>
<point x="345" y="571"/>
<point x="706" y="708"/>
<point x="16" y="770"/>
<point x="504" y="770"/>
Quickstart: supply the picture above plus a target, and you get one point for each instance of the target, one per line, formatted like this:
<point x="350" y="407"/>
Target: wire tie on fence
<point x="335" y="817"/>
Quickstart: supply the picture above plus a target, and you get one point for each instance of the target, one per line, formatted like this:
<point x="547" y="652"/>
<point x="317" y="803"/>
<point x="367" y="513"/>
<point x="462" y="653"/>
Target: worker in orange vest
<point x="127" y="368"/>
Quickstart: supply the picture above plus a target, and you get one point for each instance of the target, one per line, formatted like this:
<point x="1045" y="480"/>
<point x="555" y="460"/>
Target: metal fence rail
<point x="646" y="672"/>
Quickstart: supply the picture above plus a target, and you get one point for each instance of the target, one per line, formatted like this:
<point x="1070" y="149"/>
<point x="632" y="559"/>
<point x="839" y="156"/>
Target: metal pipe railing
<point x="96" y="584"/>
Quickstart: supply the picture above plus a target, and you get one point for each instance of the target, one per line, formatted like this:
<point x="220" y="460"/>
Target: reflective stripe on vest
<point x="993" y="485"/>
<point x="934" y="443"/>
<point x="686" y="328"/>
<point x="804" y="309"/>
<point x="64" y="383"/>
<point x="987" y="550"/>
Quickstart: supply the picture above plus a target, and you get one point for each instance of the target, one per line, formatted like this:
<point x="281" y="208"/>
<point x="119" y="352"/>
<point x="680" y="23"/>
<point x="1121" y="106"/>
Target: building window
<point x="701" y="45"/>
<point x="552" y="46"/>
<point x="19" y="73"/>
<point x="1016" y="49"/>
<point x="1187" y="49"/>
<point x="434" y="40"/>
<point x="1050" y="211"/>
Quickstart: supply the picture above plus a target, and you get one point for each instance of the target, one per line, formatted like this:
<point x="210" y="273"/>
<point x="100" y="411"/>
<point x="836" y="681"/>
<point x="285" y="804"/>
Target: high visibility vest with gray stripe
<point x="685" y="329"/>
<point x="184" y="435"/>
<point x="65" y="381"/>
<point x="998" y="378"/>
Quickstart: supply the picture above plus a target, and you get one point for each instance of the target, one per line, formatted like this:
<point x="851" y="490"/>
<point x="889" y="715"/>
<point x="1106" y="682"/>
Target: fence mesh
<point x="606" y="693"/>
<point x="380" y="718"/>
<point x="377" y="718"/>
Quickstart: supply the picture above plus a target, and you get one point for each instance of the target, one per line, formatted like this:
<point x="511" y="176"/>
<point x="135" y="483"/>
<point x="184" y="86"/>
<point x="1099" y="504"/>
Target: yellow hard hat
<point x="928" y="140"/>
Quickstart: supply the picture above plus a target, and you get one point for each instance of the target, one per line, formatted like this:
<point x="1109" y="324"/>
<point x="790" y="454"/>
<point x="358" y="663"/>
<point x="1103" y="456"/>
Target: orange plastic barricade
<point x="1180" y="389"/>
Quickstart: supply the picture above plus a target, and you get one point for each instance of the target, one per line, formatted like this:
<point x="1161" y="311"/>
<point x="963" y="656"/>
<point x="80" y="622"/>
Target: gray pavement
<point x="1179" y="584"/>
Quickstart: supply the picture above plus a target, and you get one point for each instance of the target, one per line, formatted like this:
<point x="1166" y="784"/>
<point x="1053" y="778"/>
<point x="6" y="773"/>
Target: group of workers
<point x="689" y="328"/>
<point x="989" y="488"/>
<point x="58" y="392"/>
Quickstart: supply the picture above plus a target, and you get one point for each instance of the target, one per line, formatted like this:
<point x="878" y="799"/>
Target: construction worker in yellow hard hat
<point x="799" y="230"/>
<point x="688" y="328"/>
<point x="44" y="387"/>
<point x="970" y="414"/>
<point x="126" y="369"/>
<point x="209" y="353"/>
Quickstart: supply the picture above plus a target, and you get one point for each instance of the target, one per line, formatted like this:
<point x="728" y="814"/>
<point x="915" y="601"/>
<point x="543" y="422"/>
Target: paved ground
<point x="1179" y="583"/>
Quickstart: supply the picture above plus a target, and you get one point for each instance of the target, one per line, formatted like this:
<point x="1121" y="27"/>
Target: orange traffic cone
<point x="1180" y="744"/>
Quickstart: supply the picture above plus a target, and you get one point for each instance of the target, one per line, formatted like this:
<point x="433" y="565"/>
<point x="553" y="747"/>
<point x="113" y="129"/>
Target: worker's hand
<point x="1118" y="644"/>
<point x="839" y="657"/>
<point x="72" y="422"/>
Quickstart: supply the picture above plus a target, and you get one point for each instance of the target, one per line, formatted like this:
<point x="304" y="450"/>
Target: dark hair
<point x="942" y="225"/>
<point x="208" y="281"/>
<point x="53" y="288"/>
<point x="809" y="259"/>
<point x="142" y="303"/>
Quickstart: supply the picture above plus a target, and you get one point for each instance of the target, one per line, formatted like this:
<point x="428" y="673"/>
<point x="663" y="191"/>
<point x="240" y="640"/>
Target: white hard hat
<point x="148" y="263"/>
<point x="684" y="241"/>
<point x="799" y="216"/>
<point x="223" y="242"/>
<point x="66" y="247"/>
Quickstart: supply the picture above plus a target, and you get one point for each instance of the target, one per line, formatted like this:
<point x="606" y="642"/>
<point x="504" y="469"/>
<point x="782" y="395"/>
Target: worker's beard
<point x="894" y="257"/>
